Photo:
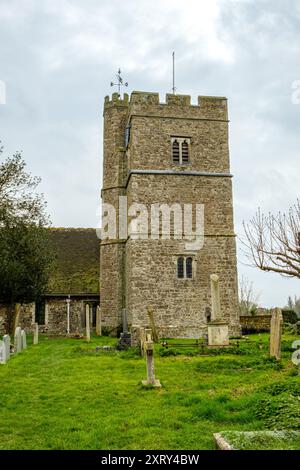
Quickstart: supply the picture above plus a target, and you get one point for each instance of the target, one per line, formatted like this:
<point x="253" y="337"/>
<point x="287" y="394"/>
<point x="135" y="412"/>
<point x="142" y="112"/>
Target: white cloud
<point x="58" y="57"/>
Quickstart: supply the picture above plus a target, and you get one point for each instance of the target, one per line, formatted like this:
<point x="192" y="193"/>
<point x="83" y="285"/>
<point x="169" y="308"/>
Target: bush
<point x="289" y="316"/>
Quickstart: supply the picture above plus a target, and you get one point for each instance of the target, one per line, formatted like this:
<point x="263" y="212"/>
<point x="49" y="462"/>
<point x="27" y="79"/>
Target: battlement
<point x="207" y="107"/>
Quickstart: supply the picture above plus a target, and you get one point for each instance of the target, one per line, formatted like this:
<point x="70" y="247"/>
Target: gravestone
<point x="152" y="325"/>
<point x="124" y="320"/>
<point x="218" y="330"/>
<point x="87" y="323"/>
<point x="2" y="353"/>
<point x="275" y="333"/>
<point x="23" y="339"/>
<point x="149" y="352"/>
<point x="35" y="333"/>
<point x="17" y="340"/>
<point x="6" y="341"/>
<point x="215" y="297"/>
<point x="98" y="321"/>
<point x="125" y="337"/>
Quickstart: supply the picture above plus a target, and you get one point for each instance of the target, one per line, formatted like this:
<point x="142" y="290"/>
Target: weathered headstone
<point x="23" y="339"/>
<point x="124" y="320"/>
<point x="275" y="334"/>
<point x="215" y="297"/>
<point x="87" y="323"/>
<point x="217" y="329"/>
<point x="142" y="340"/>
<point x="17" y="340"/>
<point x="35" y="333"/>
<point x="152" y="325"/>
<point x="149" y="352"/>
<point x="98" y="321"/>
<point x="2" y="353"/>
<point x="125" y="337"/>
<point x="6" y="341"/>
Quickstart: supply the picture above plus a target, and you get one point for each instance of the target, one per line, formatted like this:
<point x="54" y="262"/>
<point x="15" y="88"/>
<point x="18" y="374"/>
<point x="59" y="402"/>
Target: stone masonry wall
<point x="55" y="317"/>
<point x="180" y="305"/>
<point x="255" y="323"/>
<point x="145" y="274"/>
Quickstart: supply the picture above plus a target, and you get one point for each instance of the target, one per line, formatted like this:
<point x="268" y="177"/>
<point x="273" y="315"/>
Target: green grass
<point x="60" y="394"/>
<point x="261" y="440"/>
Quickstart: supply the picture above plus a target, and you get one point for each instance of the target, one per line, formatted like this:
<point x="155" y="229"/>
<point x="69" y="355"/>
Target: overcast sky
<point x="57" y="58"/>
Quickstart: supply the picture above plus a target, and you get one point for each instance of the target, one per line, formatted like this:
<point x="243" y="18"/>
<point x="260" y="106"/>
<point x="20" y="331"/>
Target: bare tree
<point x="247" y="298"/>
<point x="273" y="241"/>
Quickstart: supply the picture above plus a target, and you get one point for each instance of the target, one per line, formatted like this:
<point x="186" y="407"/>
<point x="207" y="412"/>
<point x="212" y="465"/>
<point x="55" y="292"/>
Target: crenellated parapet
<point x="140" y="102"/>
<point x="207" y="107"/>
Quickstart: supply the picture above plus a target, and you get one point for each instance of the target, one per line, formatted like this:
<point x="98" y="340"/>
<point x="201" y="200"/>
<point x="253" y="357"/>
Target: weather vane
<point x="119" y="81"/>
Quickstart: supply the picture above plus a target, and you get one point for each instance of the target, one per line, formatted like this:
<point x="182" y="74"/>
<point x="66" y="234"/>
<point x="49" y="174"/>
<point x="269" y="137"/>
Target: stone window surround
<point x="180" y="140"/>
<point x="185" y="256"/>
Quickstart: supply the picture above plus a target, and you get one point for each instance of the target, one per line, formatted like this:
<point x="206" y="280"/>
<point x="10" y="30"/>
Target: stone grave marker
<point x="35" y="333"/>
<point x="23" y="339"/>
<point x="149" y="352"/>
<point x="98" y="321"/>
<point x="6" y="341"/>
<point x="2" y="352"/>
<point x="87" y="323"/>
<point x="17" y="340"/>
<point x="275" y="333"/>
<point x="218" y="331"/>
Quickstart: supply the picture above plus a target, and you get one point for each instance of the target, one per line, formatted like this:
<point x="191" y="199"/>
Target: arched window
<point x="189" y="267"/>
<point x="175" y="151"/>
<point x="180" y="267"/>
<point x="184" y="152"/>
<point x="181" y="150"/>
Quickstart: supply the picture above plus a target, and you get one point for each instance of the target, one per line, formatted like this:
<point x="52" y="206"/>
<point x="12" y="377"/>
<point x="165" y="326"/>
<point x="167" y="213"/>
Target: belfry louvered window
<point x="181" y="150"/>
<point x="185" y="267"/>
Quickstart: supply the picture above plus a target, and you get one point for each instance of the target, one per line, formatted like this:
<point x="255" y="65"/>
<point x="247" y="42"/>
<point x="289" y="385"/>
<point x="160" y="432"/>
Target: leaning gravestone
<point x="23" y="339"/>
<point x="35" y="333"/>
<point x="6" y="341"/>
<point x="17" y="340"/>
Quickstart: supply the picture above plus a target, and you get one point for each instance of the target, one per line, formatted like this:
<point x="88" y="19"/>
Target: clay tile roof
<point x="76" y="268"/>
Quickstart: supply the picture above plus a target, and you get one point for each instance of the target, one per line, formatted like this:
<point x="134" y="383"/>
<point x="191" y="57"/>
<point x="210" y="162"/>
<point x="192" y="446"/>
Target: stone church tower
<point x="167" y="153"/>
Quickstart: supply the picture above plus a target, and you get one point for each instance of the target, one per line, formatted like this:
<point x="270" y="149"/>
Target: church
<point x="164" y="156"/>
<point x="167" y="154"/>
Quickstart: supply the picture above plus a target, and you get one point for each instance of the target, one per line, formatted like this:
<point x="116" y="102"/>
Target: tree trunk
<point x="13" y="316"/>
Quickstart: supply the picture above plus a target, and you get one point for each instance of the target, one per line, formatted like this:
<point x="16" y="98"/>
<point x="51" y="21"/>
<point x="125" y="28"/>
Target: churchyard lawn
<point x="61" y="394"/>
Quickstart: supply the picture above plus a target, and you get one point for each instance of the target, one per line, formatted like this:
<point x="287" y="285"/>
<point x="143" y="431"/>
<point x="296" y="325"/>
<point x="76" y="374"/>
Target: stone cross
<point x="87" y="323"/>
<point x="275" y="334"/>
<point x="23" y="339"/>
<point x="215" y="297"/>
<point x="17" y="340"/>
<point x="124" y="320"/>
<point x="6" y="341"/>
<point x="98" y="321"/>
<point x="35" y="333"/>
<point x="149" y="350"/>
